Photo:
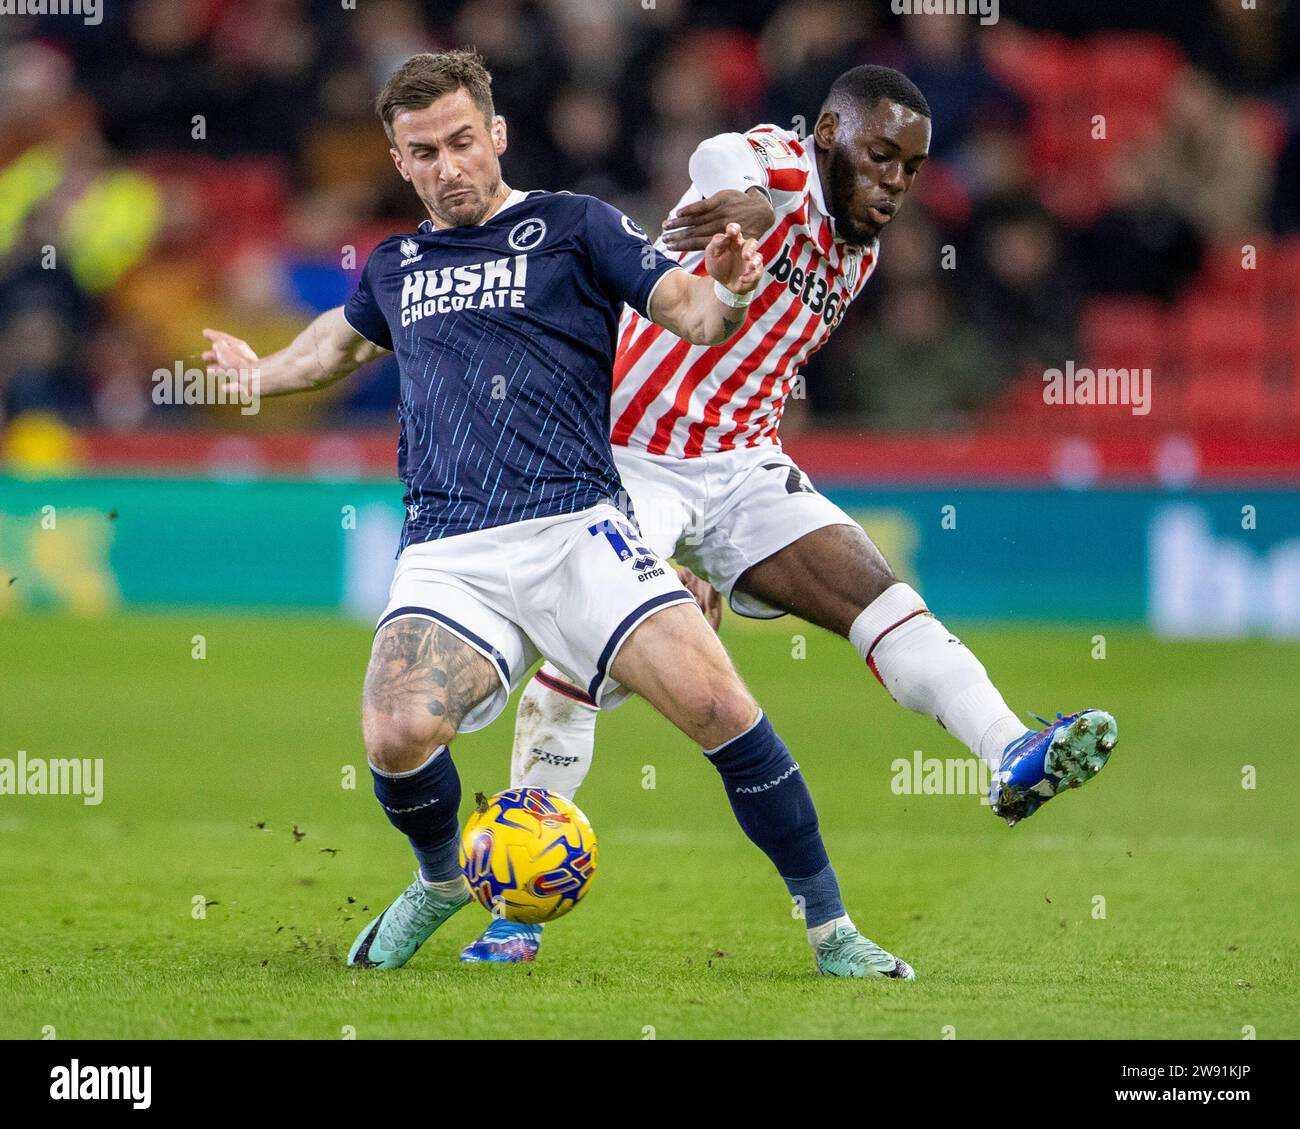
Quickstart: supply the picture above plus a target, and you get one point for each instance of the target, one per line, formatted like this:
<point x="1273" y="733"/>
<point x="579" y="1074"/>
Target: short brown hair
<point x="423" y="79"/>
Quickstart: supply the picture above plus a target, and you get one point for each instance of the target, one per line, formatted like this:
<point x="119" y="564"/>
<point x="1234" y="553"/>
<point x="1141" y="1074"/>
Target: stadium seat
<point x="1135" y="67"/>
<point x="1031" y="63"/>
<point x="1283" y="359"/>
<point x="1224" y="278"/>
<point x="1266" y="126"/>
<point x="242" y="199"/>
<point x="1291" y="397"/>
<point x="1124" y="76"/>
<point x="1224" y="329"/>
<point x="1236" y="395"/>
<point x="247" y="197"/>
<point x="1281" y="271"/>
<point x="1125" y="332"/>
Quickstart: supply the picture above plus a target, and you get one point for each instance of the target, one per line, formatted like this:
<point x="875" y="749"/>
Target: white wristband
<point x="730" y="298"/>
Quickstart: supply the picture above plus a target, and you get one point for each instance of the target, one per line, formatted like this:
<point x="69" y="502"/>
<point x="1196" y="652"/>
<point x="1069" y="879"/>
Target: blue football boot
<point x="505" y="942"/>
<point x="1067" y="752"/>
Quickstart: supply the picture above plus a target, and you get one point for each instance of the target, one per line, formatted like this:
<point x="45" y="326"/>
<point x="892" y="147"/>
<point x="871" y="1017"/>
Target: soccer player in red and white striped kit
<point x="695" y="436"/>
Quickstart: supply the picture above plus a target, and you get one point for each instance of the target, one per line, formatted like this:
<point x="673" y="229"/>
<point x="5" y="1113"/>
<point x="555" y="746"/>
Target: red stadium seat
<point x="1134" y="66"/>
<point x="1221" y="330"/>
<point x="1281" y="270"/>
<point x="1123" y="76"/>
<point x="1022" y="399"/>
<point x="1283" y="356"/>
<point x="1224" y="277"/>
<point x="1032" y="63"/>
<point x="247" y="197"/>
<point x="1123" y="331"/>
<point x="243" y="199"/>
<point x="1219" y="394"/>
<point x="1265" y="126"/>
<point x="1291" y="399"/>
<point x="1127" y="123"/>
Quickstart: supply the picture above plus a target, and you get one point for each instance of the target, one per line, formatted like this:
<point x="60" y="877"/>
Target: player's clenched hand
<point x="229" y="357"/>
<point x="734" y="260"/>
<point x="692" y="226"/>
<point x="708" y="597"/>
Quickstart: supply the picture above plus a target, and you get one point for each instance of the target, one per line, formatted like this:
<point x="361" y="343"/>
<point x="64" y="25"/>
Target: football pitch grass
<point x="1160" y="901"/>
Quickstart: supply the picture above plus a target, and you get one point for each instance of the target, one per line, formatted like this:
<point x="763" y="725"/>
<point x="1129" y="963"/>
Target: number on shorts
<point x="622" y="538"/>
<point x="795" y="483"/>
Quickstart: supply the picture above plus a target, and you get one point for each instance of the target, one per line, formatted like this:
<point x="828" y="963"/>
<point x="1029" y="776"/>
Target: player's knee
<point x="721" y="709"/>
<point x="399" y="742"/>
<point x="737" y="711"/>
<point x="880" y="578"/>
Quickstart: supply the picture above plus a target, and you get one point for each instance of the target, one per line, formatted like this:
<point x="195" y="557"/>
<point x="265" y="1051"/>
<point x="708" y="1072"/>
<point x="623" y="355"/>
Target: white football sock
<point x="555" y="736"/>
<point x="451" y="890"/>
<point x="819" y="933"/>
<point x="928" y="669"/>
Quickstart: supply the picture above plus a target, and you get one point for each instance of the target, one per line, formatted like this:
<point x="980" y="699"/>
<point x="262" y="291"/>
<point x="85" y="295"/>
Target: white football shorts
<point x="570" y="587"/>
<point x="721" y="513"/>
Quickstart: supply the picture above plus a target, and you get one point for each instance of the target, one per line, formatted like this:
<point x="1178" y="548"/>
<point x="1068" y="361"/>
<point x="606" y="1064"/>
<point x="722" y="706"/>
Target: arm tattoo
<point x="734" y="319"/>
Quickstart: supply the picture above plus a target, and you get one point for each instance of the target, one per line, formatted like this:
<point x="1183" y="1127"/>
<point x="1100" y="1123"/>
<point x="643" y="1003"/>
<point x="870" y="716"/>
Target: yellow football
<point x="528" y="854"/>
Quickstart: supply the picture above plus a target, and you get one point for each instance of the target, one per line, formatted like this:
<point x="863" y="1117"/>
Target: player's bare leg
<point x="677" y="664"/>
<point x="826" y="577"/>
<point x="836" y="578"/>
<point x="421" y="683"/>
<point x="675" y="661"/>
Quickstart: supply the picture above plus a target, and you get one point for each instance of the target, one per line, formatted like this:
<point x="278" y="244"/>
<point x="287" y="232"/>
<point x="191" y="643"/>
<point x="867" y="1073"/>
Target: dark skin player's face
<point x="867" y="160"/>
<point x="452" y="157"/>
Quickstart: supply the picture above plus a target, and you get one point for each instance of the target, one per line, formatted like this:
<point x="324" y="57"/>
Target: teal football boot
<point x="393" y="937"/>
<point x="848" y="953"/>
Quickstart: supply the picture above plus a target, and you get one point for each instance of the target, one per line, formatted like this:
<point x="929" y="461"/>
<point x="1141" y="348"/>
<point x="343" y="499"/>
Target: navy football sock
<point x="423" y="804"/>
<point x="774" y="808"/>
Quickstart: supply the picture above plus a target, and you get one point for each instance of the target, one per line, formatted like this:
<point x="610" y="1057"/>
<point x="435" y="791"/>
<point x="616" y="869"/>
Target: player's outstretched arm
<point x="692" y="226"/>
<point x="327" y="350"/>
<point x="709" y="311"/>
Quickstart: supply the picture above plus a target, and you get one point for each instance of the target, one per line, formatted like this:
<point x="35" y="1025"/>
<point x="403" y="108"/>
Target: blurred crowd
<point x="217" y="162"/>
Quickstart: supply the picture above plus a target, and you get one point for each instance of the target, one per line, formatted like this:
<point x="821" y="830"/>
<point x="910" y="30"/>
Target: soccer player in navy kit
<point x="503" y="313"/>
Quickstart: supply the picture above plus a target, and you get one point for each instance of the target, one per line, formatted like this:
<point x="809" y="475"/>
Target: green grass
<point x="686" y="931"/>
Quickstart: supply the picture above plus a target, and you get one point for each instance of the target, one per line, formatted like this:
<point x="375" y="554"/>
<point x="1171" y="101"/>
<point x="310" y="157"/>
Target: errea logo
<point x="411" y="249"/>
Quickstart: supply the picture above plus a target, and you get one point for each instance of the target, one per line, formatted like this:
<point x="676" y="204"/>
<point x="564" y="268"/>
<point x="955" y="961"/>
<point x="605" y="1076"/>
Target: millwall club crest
<point x="411" y="250"/>
<point x="527" y="235"/>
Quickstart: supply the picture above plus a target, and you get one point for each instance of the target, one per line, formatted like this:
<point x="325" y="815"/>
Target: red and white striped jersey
<point x="674" y="398"/>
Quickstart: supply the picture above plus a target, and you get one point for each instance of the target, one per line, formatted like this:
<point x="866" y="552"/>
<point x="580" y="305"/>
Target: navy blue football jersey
<point x="505" y="334"/>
